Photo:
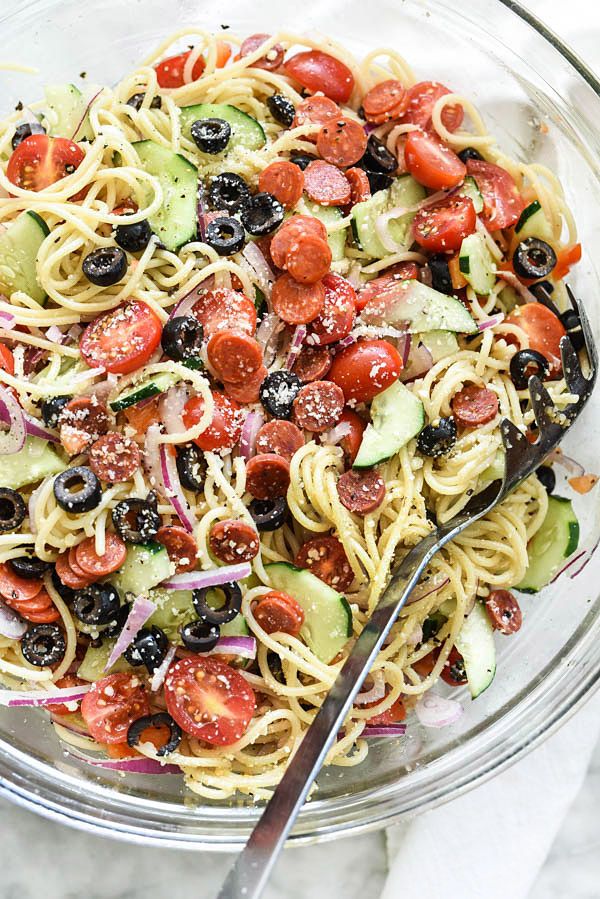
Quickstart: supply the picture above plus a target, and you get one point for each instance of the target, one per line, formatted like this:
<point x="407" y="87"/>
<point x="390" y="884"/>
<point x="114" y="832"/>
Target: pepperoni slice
<point x="284" y="180"/>
<point x="419" y="103"/>
<point x="339" y="311"/>
<point x="309" y="259"/>
<point x="474" y="406"/>
<point x="318" y="406"/>
<point x="233" y="541"/>
<point x="267" y="476"/>
<point x="359" y="186"/>
<point x="235" y="356"/>
<point x="280" y="437"/>
<point x="504" y="611"/>
<point x="297" y="304"/>
<point x="249" y="392"/>
<point x="315" y="110"/>
<point x="290" y="231"/>
<point x="75" y="566"/>
<point x="114" y="458"/>
<point x="40" y="610"/>
<point x="83" y="420"/>
<point x="327" y="559"/>
<point x="180" y="545"/>
<point x="384" y="101"/>
<point x="325" y="184"/>
<point x="361" y="491"/>
<point x="69" y="577"/>
<point x="312" y="364"/>
<point x="13" y="587"/>
<point x="342" y="141"/>
<point x="272" y="58"/>
<point x="111" y="560"/>
<point x="279" y="612"/>
<point x="223" y="308"/>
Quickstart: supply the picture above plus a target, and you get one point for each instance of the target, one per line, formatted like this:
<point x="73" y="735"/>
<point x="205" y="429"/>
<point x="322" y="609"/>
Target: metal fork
<point x="249" y="874"/>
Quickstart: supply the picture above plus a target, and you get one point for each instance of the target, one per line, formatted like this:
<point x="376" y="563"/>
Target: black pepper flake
<point x="19" y="106"/>
<point x="225" y="27"/>
<point x="83" y="74"/>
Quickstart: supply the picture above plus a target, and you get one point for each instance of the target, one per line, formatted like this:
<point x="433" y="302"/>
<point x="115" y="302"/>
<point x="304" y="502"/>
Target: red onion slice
<point x="173" y="488"/>
<point x="426" y="589"/>
<point x="245" y="647"/>
<point x="55" y="335"/>
<point x="69" y="725"/>
<point x="85" y="112"/>
<point x="436" y="711"/>
<point x="158" y="677"/>
<point x="572" y="561"/>
<point x="12" y="698"/>
<point x="404" y="345"/>
<point x="587" y="560"/>
<point x="137" y="765"/>
<point x="256" y="259"/>
<point x="201" y="213"/>
<point x="141" y="610"/>
<point x="387" y="730"/>
<point x="336" y="434"/>
<point x="152" y="459"/>
<point x="419" y="363"/>
<point x="11" y="624"/>
<point x="32" y="426"/>
<point x="252" y="425"/>
<point x="348" y="340"/>
<point x="295" y="349"/>
<point x="557" y="457"/>
<point x="214" y="577"/>
<point x="512" y="279"/>
<point x="7" y="320"/>
<point x="12" y="440"/>
<point x="374" y="693"/>
<point x="491" y="322"/>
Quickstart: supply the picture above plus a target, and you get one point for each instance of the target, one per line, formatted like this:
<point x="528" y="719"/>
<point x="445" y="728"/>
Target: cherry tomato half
<point x="209" y="700"/>
<point x="112" y="705"/>
<point x="169" y="72"/>
<point x="7" y="363"/>
<point x="502" y="202"/>
<point x="401" y="271"/>
<point x="420" y="100"/>
<point x="225" y="429"/>
<point x="544" y="330"/>
<point x="318" y="71"/>
<point x="365" y="369"/>
<point x="339" y="311"/>
<point x="395" y="713"/>
<point x="431" y="162"/>
<point x="40" y="161"/>
<point x="351" y="441"/>
<point x="442" y="228"/>
<point x="121" y="340"/>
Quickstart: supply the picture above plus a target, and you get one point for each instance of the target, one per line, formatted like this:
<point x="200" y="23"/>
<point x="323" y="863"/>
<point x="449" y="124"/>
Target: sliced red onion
<point x="74" y="333"/>
<point x="426" y="589"/>
<point x="491" y="322"/>
<point x="404" y="349"/>
<point x="185" y="304"/>
<point x="141" y="610"/>
<point x="214" y="577"/>
<point x="252" y="425"/>
<point x="374" y="693"/>
<point x="346" y="341"/>
<point x="11" y="624"/>
<point x="158" y="677"/>
<point x="55" y="335"/>
<point x="586" y="561"/>
<point x="245" y="647"/>
<point x="572" y="561"/>
<point x="152" y="459"/>
<point x="171" y="407"/>
<point x="13" y="440"/>
<point x="268" y="327"/>
<point x="512" y="279"/>
<point x="436" y="711"/>
<point x="32" y="426"/>
<point x="254" y="256"/>
<point x="137" y="765"/>
<point x="173" y="489"/>
<point x="557" y="457"/>
<point x="419" y="363"/>
<point x="88" y="375"/>
<point x="12" y="698"/>
<point x="298" y="339"/>
<point x="387" y="730"/>
<point x="369" y="127"/>
<point x="85" y="112"/>
<point x="7" y="320"/>
<point x="336" y="434"/>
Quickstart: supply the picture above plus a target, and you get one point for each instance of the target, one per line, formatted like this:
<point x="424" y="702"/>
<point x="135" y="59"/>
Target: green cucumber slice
<point x="329" y="215"/>
<point x="404" y="192"/>
<point x="556" y="540"/>
<point x="440" y="344"/>
<point x="146" y="565"/>
<point x="477" y="265"/>
<point x="67" y="111"/>
<point x="175" y="222"/>
<point x="159" y="383"/>
<point x="34" y="462"/>
<point x="475" y="642"/>
<point x="19" y="246"/>
<point x="245" y="131"/>
<point x="421" y="308"/>
<point x="471" y="190"/>
<point x="397" y="416"/>
<point x="94" y="662"/>
<point x="534" y="223"/>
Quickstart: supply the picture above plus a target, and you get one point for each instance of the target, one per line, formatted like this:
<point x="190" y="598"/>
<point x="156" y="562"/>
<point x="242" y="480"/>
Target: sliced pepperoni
<point x="223" y="308"/>
<point x="17" y="588"/>
<point x="40" y="611"/>
<point x="68" y="576"/>
<point x="312" y="364"/>
<point x="309" y="259"/>
<point x="359" y="187"/>
<point x="235" y="356"/>
<point x="280" y="437"/>
<point x="361" y="491"/>
<point x="384" y="101"/>
<point x="342" y="141"/>
<point x="474" y="406"/>
<point x="327" y="559"/>
<point x="249" y="392"/>
<point x="180" y="545"/>
<point x="272" y="58"/>
<point x="114" y="458"/>
<point x="83" y="420"/>
<point x="233" y="541"/>
<point x="267" y="476"/>
<point x="297" y="304"/>
<point x="279" y="612"/>
<point x="75" y="566"/>
<point x="318" y="406"/>
<point x="325" y="184"/>
<point x="291" y="230"/>
<point x="315" y="110"/>
<point x="111" y="559"/>
<point x="339" y="311"/>
<point x="284" y="180"/>
<point x="504" y="611"/>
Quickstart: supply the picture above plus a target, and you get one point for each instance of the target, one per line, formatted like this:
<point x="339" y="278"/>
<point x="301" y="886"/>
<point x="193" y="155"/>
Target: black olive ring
<point x="200" y="636"/>
<point x="191" y="467"/>
<point x="12" y="509"/>
<point x="136" y="520"/>
<point x="268" y="514"/>
<point x="77" y="489"/>
<point x="225" y="235"/>
<point x="160" y="719"/>
<point x="29" y="567"/>
<point x="524" y="360"/>
<point x="96" y="604"/>
<point x="148" y="648"/>
<point x="227" y="612"/>
<point x="43" y="644"/>
<point x="182" y="338"/>
<point x="211" y="135"/>
<point x="533" y="258"/>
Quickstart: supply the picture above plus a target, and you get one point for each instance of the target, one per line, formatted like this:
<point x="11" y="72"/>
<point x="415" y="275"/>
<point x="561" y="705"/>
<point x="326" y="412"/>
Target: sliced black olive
<point x="25" y="130"/>
<point x="211" y="135"/>
<point x="377" y="180"/>
<point x="136" y="101"/>
<point x="105" y="266"/>
<point x="29" y="567"/>
<point x="117" y="622"/>
<point x="135" y="237"/>
<point x="268" y="514"/>
<point x="572" y="325"/>
<point x="66" y="593"/>
<point x="12" y="509"/>
<point x="52" y="408"/>
<point x="191" y="467"/>
<point x="521" y="366"/>
<point x="377" y="157"/>
<point x="275" y="666"/>
<point x="282" y="109"/>
<point x="437" y="440"/>
<point x="43" y="644"/>
<point x="469" y="153"/>
<point x="229" y="609"/>
<point x="278" y="392"/>
<point x="77" y="489"/>
<point x="148" y="648"/>
<point x="262" y="214"/>
<point x="182" y="338"/>
<point x="225" y="235"/>
<point x="160" y="719"/>
<point x="136" y="520"/>
<point x="547" y="478"/>
<point x="96" y="604"/>
<point x="440" y="273"/>
<point x="302" y="160"/>
<point x="228" y="191"/>
<point x="533" y="258"/>
<point x="200" y="636"/>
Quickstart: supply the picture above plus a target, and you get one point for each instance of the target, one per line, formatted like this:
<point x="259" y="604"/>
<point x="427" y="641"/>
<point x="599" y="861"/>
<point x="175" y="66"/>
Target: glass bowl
<point x="543" y="104"/>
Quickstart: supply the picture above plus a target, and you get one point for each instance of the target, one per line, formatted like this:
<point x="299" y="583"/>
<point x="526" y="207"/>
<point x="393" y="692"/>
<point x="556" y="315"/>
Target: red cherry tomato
<point x="395" y="713"/>
<point x="318" y="71"/>
<point x="40" y="161"/>
<point x="7" y="363"/>
<point x="420" y="100"/>
<point x="431" y="162"/>
<point x="225" y="429"/>
<point x="350" y="443"/>
<point x="544" y="330"/>
<point x="209" y="700"/>
<point x="112" y="705"/>
<point x="565" y="258"/>
<point x="502" y="201"/>
<point x="442" y="228"/>
<point x="69" y="680"/>
<point x="365" y="369"/>
<point x="121" y="340"/>
<point x="169" y="72"/>
<point x="402" y="271"/>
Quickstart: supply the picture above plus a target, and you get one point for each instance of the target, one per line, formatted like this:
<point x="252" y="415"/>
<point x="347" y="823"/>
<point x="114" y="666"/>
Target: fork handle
<point x="248" y="877"/>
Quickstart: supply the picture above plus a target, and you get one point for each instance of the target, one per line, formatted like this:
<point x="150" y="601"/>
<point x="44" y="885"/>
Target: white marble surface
<point x="39" y="858"/>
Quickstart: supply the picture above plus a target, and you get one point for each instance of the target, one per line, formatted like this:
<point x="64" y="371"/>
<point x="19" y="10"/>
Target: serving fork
<point x="248" y="876"/>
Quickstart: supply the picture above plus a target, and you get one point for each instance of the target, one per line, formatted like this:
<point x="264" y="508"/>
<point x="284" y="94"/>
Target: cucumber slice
<point x="19" y="246"/>
<point x="508" y="297"/>
<point x="494" y="471"/>
<point x="471" y="190"/>
<point x="556" y="540"/>
<point x="475" y="643"/>
<point x="175" y="223"/>
<point x="404" y="192"/>
<point x="159" y="383"/>
<point x="534" y="223"/>
<point x="327" y="616"/>
<point x="94" y="662"/>
<point x="67" y="112"/>
<point x="397" y="416"/>
<point x="440" y="344"/>
<point x="477" y="265"/>
<point x="329" y="215"/>
<point x="245" y="131"/>
<point x="146" y="565"/>
<point x="421" y="308"/>
<point x="37" y="460"/>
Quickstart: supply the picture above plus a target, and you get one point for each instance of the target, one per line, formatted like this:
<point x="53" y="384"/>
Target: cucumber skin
<point x="527" y="213"/>
<point x="572" y="542"/>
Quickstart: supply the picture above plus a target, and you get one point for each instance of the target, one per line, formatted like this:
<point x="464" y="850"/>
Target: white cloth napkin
<point x="492" y="842"/>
